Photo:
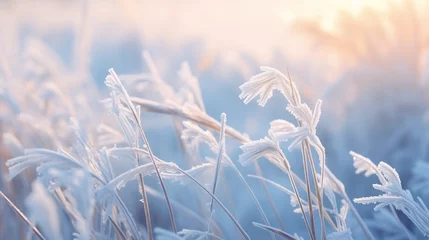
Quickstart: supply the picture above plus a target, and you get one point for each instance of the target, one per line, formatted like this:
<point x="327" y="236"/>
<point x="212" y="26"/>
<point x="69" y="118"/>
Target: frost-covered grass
<point x="84" y="162"/>
<point x="77" y="189"/>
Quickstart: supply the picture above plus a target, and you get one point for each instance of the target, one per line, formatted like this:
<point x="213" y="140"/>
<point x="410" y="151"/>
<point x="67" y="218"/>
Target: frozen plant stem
<point x="295" y="189"/>
<point x="283" y="189"/>
<point x="319" y="193"/>
<point x="118" y="230"/>
<point x="146" y="142"/>
<point x="204" y="120"/>
<point x="306" y="147"/>
<point x="308" y="190"/>
<point x="10" y="203"/>
<point x="220" y="155"/>
<point x="143" y="189"/>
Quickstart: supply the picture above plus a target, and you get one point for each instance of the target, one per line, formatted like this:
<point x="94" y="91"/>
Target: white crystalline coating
<point x="254" y="150"/>
<point x="265" y="83"/>
<point x="196" y="135"/>
<point x="396" y="196"/>
<point x="363" y="164"/>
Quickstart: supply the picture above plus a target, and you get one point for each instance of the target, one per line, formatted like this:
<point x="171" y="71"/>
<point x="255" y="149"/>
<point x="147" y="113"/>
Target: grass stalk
<point x="295" y="189"/>
<point x="319" y="189"/>
<point x="308" y="189"/>
<point x="146" y="142"/>
<point x="23" y="217"/>
<point x="241" y="230"/>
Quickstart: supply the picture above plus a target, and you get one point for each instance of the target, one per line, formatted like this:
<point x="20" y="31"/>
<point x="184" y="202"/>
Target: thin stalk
<point x="179" y="206"/>
<point x="220" y="155"/>
<point x="146" y="142"/>
<point x="125" y="211"/>
<point x="156" y="194"/>
<point x="117" y="229"/>
<point x="400" y="223"/>
<point x="252" y="194"/>
<point x="170" y="210"/>
<point x="146" y="208"/>
<point x="287" y="191"/>
<point x="295" y="189"/>
<point x="308" y="189"/>
<point x="204" y="120"/>
<point x="23" y="217"/>
<point x="200" y="117"/>
<point x="142" y="185"/>
<point x="319" y="190"/>
<point x="208" y="122"/>
<point x="275" y="230"/>
<point x="218" y="202"/>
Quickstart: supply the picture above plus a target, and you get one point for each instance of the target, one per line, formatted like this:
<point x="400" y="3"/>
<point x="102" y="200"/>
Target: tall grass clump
<point x="78" y="177"/>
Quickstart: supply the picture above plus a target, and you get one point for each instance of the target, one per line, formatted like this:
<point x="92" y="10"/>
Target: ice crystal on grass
<point x="394" y="194"/>
<point x="254" y="150"/>
<point x="265" y="83"/>
<point x="85" y="161"/>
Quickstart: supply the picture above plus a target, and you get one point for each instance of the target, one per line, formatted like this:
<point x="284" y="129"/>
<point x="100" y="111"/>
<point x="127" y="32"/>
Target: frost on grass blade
<point x="363" y="164"/>
<point x="195" y="135"/>
<point x="395" y="195"/>
<point x="281" y="125"/>
<point x="204" y="170"/>
<point x="146" y="169"/>
<point x="187" y="77"/>
<point x="265" y="83"/>
<point x="36" y="157"/>
<point x="305" y="115"/>
<point x="168" y="170"/>
<point x="302" y="113"/>
<point x="254" y="150"/>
